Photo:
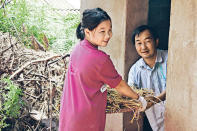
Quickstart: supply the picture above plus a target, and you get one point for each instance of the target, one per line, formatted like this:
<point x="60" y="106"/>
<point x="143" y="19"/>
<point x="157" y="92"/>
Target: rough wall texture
<point x="116" y="46"/>
<point x="136" y="15"/>
<point x="181" y="104"/>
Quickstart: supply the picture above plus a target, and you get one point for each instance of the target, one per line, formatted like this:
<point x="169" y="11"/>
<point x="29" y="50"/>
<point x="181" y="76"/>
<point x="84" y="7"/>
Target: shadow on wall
<point x="159" y="18"/>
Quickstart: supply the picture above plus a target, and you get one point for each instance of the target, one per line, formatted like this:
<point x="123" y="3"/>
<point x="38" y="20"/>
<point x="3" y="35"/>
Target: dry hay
<point x="117" y="103"/>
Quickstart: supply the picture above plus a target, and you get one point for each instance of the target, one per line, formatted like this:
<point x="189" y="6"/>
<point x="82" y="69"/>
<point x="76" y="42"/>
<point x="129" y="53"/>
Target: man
<point x="150" y="72"/>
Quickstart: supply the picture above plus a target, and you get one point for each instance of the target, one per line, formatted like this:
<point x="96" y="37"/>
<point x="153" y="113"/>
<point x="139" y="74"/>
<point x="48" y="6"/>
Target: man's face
<point x="146" y="45"/>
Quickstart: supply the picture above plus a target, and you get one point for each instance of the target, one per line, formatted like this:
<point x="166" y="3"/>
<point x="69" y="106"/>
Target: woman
<point x="84" y="98"/>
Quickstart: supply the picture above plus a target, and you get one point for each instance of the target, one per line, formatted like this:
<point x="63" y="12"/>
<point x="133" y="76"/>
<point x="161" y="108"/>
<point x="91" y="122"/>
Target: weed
<point x="24" y="18"/>
<point x="10" y="102"/>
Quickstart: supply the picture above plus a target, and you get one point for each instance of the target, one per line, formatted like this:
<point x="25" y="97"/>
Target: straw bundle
<point x="117" y="103"/>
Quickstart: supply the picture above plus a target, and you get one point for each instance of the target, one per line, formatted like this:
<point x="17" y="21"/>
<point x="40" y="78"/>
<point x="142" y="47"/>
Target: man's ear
<point x="157" y="42"/>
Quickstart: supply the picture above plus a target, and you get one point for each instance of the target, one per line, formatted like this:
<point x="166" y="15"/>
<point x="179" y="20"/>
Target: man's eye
<point x="148" y="41"/>
<point x="138" y="43"/>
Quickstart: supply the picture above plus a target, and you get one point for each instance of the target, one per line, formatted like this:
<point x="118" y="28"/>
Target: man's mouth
<point x="144" y="52"/>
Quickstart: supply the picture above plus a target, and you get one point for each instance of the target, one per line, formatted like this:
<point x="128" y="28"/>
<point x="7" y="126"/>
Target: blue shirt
<point x="142" y="76"/>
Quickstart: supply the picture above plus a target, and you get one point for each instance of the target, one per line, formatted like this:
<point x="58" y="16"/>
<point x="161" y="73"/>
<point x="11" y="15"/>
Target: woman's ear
<point x="87" y="32"/>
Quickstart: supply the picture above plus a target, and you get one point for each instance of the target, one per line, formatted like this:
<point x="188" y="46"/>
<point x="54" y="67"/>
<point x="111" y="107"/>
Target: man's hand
<point x="151" y="100"/>
<point x="143" y="102"/>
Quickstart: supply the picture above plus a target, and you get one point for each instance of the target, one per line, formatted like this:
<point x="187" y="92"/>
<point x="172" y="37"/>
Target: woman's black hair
<point x="91" y="19"/>
<point x="142" y="28"/>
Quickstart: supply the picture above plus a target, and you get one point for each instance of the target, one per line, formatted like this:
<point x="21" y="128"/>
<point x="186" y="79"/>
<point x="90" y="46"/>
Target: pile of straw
<point x="117" y="103"/>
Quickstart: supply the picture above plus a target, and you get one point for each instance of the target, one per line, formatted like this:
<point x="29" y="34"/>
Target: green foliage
<point x="26" y="18"/>
<point x="70" y="23"/>
<point x="11" y="102"/>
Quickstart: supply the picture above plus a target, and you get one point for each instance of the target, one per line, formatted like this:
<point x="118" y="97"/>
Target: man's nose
<point x="143" y="45"/>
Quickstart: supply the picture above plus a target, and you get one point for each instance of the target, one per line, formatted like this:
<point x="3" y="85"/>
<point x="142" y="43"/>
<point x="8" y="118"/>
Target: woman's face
<point x="101" y="35"/>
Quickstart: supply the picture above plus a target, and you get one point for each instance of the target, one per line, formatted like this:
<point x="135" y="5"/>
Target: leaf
<point x="36" y="44"/>
<point x="45" y="42"/>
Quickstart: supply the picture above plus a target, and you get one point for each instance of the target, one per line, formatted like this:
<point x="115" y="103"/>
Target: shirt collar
<point x="159" y="59"/>
<point x="88" y="44"/>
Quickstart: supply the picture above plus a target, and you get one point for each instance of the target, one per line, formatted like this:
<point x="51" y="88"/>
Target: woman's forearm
<point x="125" y="90"/>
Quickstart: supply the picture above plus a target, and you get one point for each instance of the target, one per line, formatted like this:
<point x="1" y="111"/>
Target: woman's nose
<point x="108" y="35"/>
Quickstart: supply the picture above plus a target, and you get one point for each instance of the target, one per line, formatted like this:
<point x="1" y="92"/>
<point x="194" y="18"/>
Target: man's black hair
<point x="142" y="28"/>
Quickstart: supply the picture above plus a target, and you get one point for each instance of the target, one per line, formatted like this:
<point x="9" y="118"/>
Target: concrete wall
<point x="181" y="104"/>
<point x="136" y="15"/>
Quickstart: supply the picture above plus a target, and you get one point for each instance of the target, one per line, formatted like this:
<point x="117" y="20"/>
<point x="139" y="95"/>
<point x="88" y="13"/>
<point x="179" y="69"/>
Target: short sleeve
<point x="131" y="77"/>
<point x="108" y="74"/>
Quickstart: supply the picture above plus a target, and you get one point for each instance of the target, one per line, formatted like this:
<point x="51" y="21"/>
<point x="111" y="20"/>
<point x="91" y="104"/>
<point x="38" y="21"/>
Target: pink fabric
<point x="83" y="104"/>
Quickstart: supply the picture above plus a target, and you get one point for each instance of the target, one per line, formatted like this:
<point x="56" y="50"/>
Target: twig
<point x="30" y="80"/>
<point x="11" y="64"/>
<point x="29" y="71"/>
<point x="51" y="99"/>
<point x="31" y="95"/>
<point x="40" y="75"/>
<point x="27" y="124"/>
<point x="55" y="108"/>
<point x="40" y="119"/>
<point x="17" y="33"/>
<point x="5" y="3"/>
<point x="8" y="48"/>
<point x="63" y="57"/>
<point x="31" y="62"/>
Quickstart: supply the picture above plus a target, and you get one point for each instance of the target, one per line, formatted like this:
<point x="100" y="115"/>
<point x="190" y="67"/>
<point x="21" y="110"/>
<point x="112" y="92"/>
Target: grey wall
<point x="181" y="104"/>
<point x="136" y="14"/>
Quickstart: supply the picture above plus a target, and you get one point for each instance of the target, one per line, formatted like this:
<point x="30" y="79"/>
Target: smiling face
<point x="146" y="45"/>
<point x="100" y="35"/>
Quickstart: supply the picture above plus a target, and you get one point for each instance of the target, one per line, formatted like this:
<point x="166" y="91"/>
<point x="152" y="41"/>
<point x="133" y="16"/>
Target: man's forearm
<point x="157" y="99"/>
<point x="162" y="96"/>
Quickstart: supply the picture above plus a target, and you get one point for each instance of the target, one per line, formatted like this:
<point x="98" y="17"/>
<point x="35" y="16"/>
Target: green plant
<point x="68" y="32"/>
<point x="71" y="22"/>
<point x="24" y="18"/>
<point x="11" y="105"/>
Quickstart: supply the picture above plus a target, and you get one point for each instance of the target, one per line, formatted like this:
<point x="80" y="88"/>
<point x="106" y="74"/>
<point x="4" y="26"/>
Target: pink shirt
<point x="83" y="104"/>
